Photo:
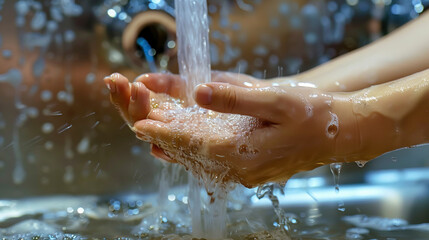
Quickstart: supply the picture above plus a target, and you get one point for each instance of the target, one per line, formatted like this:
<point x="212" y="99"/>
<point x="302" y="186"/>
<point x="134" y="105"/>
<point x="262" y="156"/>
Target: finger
<point x="161" y="134"/>
<point x="159" y="115"/>
<point x="139" y="106"/>
<point x="159" y="153"/>
<point x="155" y="150"/>
<point x="119" y="92"/>
<point x="152" y="130"/>
<point x="163" y="83"/>
<point x="262" y="103"/>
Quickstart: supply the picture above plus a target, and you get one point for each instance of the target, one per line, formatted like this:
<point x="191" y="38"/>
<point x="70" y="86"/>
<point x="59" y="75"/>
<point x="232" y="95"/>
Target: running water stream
<point x="208" y="212"/>
<point x="193" y="44"/>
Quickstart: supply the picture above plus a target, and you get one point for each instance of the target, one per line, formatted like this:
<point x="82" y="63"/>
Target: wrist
<point x="347" y="145"/>
<point x="377" y="133"/>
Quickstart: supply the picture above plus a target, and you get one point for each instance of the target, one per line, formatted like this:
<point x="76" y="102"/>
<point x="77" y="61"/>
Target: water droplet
<point x="52" y="26"/>
<point x="38" y="67"/>
<point x="47" y="128"/>
<point x="49" y="145"/>
<point x="56" y="14"/>
<point x="20" y="21"/>
<point x="309" y="111"/>
<point x="13" y="77"/>
<point x="83" y="146"/>
<point x="32" y="112"/>
<point x="22" y="7"/>
<point x="332" y="128"/>
<point x="69" y="36"/>
<point x="243" y="149"/>
<point x="361" y="163"/>
<point x="70" y="8"/>
<point x="336" y="171"/>
<point x="341" y="206"/>
<point x="90" y="78"/>
<point x="62" y="96"/>
<point x="46" y="95"/>
<point x="7" y="54"/>
<point x="64" y="128"/>
<point x="21" y="119"/>
<point x="95" y="124"/>
<point x="38" y="21"/>
<point x="260" y="50"/>
<point x="136" y="150"/>
<point x="171" y="197"/>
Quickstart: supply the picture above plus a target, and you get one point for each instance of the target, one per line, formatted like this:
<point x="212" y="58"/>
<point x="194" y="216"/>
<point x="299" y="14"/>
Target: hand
<point x="133" y="99"/>
<point x="281" y="129"/>
<point x="146" y="86"/>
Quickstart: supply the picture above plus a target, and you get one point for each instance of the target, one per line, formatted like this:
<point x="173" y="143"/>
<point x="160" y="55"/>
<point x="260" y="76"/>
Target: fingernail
<point x="134" y="89"/>
<point x="203" y="95"/>
<point x="134" y="129"/>
<point x="112" y="85"/>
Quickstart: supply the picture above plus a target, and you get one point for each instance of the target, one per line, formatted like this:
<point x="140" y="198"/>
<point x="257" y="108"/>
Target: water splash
<point x="207" y="205"/>
<point x="356" y="233"/>
<point x="268" y="190"/>
<point x="208" y="211"/>
<point x="194" y="197"/>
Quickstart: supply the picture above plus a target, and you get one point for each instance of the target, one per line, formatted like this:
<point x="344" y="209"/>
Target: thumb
<point x="223" y="97"/>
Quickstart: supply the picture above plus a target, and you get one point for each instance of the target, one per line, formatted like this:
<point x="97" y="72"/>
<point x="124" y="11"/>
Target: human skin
<point x="302" y="121"/>
<point x="399" y="54"/>
<point x="287" y="138"/>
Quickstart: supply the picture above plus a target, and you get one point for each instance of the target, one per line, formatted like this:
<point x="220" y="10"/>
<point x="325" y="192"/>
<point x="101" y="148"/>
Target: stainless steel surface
<point x="396" y="210"/>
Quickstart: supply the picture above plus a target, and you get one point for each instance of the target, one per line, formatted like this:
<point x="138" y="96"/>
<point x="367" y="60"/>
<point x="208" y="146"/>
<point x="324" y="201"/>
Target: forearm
<point x="391" y="115"/>
<point x="401" y="53"/>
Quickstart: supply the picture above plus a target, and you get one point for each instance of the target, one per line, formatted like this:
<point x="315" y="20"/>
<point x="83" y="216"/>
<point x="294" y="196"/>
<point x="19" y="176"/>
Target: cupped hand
<point x="248" y="131"/>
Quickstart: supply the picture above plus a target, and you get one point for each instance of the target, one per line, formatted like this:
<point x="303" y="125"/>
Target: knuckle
<point x="230" y="99"/>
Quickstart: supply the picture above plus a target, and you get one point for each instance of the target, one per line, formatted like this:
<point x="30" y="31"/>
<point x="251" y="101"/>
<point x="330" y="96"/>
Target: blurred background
<point x="59" y="134"/>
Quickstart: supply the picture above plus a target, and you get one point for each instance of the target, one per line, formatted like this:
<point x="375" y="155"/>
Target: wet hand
<point x="133" y="99"/>
<point x="280" y="129"/>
